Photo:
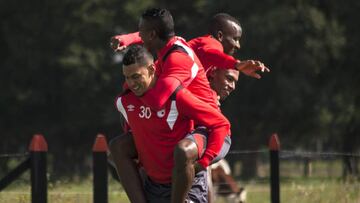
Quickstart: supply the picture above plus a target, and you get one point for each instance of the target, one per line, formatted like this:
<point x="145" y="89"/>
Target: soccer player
<point x="176" y="65"/>
<point x="223" y="82"/>
<point x="165" y="152"/>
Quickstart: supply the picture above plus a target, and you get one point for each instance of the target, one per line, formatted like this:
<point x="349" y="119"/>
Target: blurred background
<point x="59" y="77"/>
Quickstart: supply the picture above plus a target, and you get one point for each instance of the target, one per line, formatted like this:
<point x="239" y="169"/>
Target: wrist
<point x="203" y="162"/>
<point x="238" y="65"/>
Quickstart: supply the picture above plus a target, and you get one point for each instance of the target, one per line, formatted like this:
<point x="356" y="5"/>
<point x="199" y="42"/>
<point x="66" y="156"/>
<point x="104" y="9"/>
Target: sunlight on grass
<point x="62" y="192"/>
<point x="292" y="190"/>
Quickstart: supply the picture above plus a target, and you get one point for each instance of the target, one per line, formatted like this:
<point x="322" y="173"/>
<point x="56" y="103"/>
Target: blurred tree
<point x="57" y="77"/>
<point x="301" y="45"/>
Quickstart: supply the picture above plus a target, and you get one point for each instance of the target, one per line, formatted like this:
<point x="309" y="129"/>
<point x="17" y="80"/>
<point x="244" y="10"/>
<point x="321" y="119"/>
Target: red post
<point x="274" y="143"/>
<point x="274" y="147"/>
<point x="38" y="149"/>
<point x="100" y="179"/>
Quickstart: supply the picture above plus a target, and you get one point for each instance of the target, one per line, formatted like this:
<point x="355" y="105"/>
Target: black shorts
<point x="161" y="193"/>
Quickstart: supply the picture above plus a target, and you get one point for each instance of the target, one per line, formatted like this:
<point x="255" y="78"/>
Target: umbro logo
<point x="130" y="107"/>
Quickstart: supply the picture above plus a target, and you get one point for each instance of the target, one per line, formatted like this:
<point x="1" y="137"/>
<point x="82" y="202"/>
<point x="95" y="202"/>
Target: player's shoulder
<point x="177" y="50"/>
<point x="205" y="39"/>
<point x="178" y="58"/>
<point x="123" y="97"/>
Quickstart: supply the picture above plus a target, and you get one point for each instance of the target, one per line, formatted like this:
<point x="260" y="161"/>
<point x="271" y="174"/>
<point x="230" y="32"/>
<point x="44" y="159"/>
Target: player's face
<point x="231" y="38"/>
<point x="146" y="33"/>
<point x="139" y="78"/>
<point x="223" y="81"/>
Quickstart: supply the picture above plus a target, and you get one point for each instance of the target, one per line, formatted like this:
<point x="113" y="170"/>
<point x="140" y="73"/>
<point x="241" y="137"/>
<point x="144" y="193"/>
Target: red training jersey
<point x="178" y="68"/>
<point x="156" y="133"/>
<point x="211" y="53"/>
<point x="209" y="50"/>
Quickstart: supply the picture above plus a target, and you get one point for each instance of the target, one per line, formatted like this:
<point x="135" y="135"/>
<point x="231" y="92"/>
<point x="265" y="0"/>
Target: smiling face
<point x="223" y="81"/>
<point x="230" y="36"/>
<point x="139" y="78"/>
<point x="138" y="69"/>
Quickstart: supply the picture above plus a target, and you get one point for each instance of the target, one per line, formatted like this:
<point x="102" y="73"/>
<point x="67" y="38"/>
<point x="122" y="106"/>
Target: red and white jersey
<point x="209" y="50"/>
<point x="176" y="68"/>
<point x="156" y="133"/>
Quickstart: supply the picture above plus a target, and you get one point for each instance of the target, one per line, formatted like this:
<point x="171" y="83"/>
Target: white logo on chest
<point x="130" y="107"/>
<point x="161" y="113"/>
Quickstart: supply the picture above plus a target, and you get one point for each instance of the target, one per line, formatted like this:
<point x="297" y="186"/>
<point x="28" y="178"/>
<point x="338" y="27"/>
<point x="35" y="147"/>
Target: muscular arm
<point x="215" y="57"/>
<point x="211" y="53"/>
<point x="202" y="113"/>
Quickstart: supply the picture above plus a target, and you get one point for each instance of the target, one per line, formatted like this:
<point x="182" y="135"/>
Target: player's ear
<point x="211" y="74"/>
<point x="151" y="69"/>
<point x="219" y="35"/>
<point x="152" y="34"/>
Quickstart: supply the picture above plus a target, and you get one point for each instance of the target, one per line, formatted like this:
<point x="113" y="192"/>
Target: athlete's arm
<point x="177" y="69"/>
<point x="120" y="42"/>
<point x="216" y="57"/>
<point x="212" y="54"/>
<point x="202" y="113"/>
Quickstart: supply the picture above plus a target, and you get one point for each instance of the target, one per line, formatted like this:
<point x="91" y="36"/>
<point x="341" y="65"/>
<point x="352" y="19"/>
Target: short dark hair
<point x="161" y="21"/>
<point x="137" y="54"/>
<point x="219" y="21"/>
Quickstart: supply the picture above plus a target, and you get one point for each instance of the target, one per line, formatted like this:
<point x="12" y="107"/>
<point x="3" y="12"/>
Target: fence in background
<point x="36" y="162"/>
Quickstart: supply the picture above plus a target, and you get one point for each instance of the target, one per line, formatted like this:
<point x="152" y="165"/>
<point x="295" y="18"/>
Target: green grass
<point x="307" y="190"/>
<point x="62" y="192"/>
<point x="312" y="190"/>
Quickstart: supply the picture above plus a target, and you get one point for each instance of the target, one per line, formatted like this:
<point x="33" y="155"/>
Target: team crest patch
<point x="161" y="113"/>
<point x="130" y="107"/>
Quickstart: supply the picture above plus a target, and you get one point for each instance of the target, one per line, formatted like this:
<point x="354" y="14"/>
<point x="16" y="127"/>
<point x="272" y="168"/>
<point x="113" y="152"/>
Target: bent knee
<point x="123" y="146"/>
<point x="185" y="151"/>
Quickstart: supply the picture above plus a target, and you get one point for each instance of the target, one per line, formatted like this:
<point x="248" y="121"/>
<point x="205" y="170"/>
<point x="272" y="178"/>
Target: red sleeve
<point x="215" y="57"/>
<point x="128" y="39"/>
<point x="202" y="113"/>
<point x="176" y="70"/>
<point x="157" y="96"/>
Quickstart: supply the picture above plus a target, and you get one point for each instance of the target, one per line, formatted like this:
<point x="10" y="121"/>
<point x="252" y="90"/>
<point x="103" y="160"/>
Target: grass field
<point x="307" y="191"/>
<point x="320" y="190"/>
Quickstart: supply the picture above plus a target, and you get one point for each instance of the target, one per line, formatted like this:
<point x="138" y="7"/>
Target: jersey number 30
<point x="145" y="112"/>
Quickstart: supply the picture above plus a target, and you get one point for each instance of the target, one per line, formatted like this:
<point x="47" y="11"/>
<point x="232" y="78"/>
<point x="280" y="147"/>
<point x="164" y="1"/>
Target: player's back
<point x="200" y="44"/>
<point x="179" y="54"/>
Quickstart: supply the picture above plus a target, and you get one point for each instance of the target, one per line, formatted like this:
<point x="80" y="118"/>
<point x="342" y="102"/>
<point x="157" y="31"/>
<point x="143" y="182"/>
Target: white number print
<point x="145" y="112"/>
